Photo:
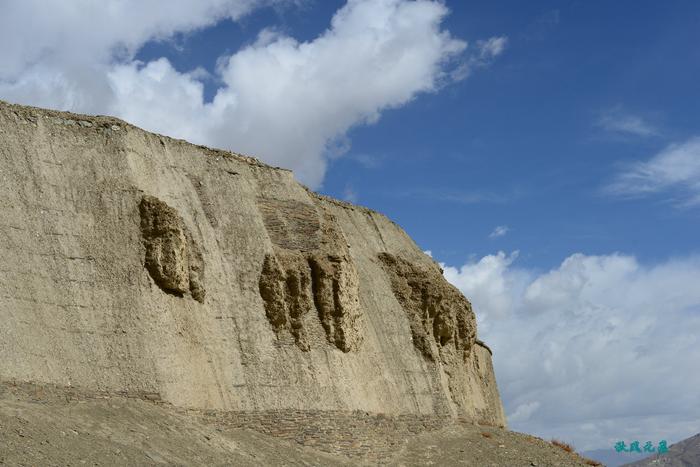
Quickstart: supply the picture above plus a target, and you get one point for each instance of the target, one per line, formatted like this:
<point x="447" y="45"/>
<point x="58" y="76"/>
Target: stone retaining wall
<point x="359" y="435"/>
<point x="363" y="436"/>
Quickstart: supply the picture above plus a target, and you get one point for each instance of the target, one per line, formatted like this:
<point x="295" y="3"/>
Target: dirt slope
<point x="46" y="425"/>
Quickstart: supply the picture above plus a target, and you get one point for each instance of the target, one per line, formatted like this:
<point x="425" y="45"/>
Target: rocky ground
<point x="44" y="425"/>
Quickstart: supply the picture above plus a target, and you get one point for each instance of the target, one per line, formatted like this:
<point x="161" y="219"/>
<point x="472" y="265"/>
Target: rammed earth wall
<point x="139" y="264"/>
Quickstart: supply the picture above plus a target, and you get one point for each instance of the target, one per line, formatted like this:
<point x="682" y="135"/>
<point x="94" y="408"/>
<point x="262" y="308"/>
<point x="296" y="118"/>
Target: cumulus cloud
<point x="523" y="412"/>
<point x="84" y="32"/>
<point x="618" y="121"/>
<point x="490" y="283"/>
<point x="675" y="170"/>
<point x="59" y="54"/>
<point x="287" y="102"/>
<point x="599" y="349"/>
<point x="499" y="231"/>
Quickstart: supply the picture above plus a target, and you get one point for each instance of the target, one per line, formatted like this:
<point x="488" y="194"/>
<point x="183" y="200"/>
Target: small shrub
<point x="561" y="444"/>
<point x="569" y="448"/>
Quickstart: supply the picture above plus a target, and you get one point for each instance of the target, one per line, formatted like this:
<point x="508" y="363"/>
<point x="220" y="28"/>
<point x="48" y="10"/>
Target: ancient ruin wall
<point x="309" y="271"/>
<point x="135" y="263"/>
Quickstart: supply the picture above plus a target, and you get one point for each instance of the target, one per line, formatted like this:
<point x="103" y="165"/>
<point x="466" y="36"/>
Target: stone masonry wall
<point x="357" y="435"/>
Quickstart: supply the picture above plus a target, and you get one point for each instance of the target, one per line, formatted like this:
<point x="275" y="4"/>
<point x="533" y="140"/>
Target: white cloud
<point x="599" y="349"/>
<point x="61" y="34"/>
<point x="492" y="48"/>
<point x="490" y="282"/>
<point x="618" y="121"/>
<point x="486" y="52"/>
<point x="287" y="102"/>
<point x="499" y="231"/>
<point x="523" y="412"/>
<point x="676" y="170"/>
<point x="349" y="193"/>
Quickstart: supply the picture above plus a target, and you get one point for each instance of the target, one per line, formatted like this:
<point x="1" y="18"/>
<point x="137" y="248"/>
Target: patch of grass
<point x="569" y="448"/>
<point x="561" y="444"/>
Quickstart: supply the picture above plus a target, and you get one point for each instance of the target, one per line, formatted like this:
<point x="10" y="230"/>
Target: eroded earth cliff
<point x="139" y="266"/>
<point x="136" y="263"/>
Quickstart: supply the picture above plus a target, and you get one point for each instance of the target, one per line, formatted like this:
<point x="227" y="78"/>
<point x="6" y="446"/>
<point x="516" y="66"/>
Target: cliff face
<point x="134" y="263"/>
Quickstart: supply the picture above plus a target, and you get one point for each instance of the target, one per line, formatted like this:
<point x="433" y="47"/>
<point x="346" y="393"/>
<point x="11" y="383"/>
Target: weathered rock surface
<point x="172" y="257"/>
<point x="310" y="270"/>
<point x="443" y="329"/>
<point x="133" y="263"/>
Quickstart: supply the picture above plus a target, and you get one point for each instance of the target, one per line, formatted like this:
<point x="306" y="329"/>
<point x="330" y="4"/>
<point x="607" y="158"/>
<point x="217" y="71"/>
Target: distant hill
<point x="612" y="458"/>
<point x="684" y="453"/>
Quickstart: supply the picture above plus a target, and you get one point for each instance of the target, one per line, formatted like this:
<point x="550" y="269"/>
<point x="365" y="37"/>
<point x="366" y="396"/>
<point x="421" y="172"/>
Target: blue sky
<point x="521" y="143"/>
<point x="546" y="153"/>
<point x="518" y="144"/>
